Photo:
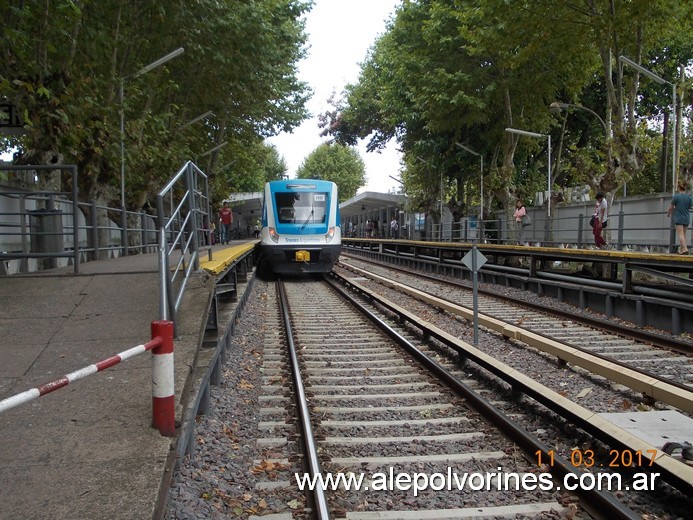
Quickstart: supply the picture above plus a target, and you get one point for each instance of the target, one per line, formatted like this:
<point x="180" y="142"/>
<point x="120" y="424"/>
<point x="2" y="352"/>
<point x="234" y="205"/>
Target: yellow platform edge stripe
<point x="529" y="250"/>
<point x="223" y="258"/>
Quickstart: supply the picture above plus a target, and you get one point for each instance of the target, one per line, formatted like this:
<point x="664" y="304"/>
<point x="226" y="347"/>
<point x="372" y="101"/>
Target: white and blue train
<point x="300" y="226"/>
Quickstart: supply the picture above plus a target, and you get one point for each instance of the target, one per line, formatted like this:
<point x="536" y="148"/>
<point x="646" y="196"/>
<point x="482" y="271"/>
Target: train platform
<point x="88" y="450"/>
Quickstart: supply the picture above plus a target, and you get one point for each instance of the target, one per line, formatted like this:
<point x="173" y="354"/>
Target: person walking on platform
<point x="599" y="221"/>
<point x="680" y="207"/>
<point x="394" y="228"/>
<point x="520" y="214"/>
<point x="225" y="221"/>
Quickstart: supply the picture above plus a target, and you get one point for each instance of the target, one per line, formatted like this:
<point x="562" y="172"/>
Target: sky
<point x="340" y="32"/>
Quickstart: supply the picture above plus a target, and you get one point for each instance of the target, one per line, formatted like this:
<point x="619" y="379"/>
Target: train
<point x="301" y="231"/>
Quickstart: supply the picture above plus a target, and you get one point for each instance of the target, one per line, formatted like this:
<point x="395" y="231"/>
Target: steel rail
<point x="596" y="502"/>
<point x="307" y="436"/>
<point x="671" y="392"/>
<point x="634" y="333"/>
<point x="520" y="383"/>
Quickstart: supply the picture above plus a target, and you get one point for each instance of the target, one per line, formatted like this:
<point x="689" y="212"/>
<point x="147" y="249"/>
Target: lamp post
<point x="143" y="70"/>
<point x="481" y="179"/>
<point x="661" y="81"/>
<point x="558" y="106"/>
<point x="548" y="162"/>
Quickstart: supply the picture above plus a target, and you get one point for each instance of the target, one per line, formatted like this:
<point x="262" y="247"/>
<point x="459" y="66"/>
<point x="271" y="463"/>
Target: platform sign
<point x="10" y="121"/>
<point x="474" y="260"/>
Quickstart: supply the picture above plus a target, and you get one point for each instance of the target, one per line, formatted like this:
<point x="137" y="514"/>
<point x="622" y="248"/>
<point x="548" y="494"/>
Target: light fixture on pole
<point x="548" y="162"/>
<point x="212" y="150"/>
<point x="558" y="106"/>
<point x="661" y="81"/>
<point x="196" y="119"/>
<point x="143" y="70"/>
<point x="481" y="179"/>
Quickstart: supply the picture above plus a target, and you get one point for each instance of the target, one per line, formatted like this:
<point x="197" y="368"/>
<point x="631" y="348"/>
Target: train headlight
<point x="330" y="234"/>
<point x="274" y="235"/>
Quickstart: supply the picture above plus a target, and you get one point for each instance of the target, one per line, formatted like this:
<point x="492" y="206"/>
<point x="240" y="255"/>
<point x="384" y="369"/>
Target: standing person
<point x="225" y="221"/>
<point x="256" y="231"/>
<point x="600" y="221"/>
<point x="520" y="212"/>
<point x="206" y="234"/>
<point x="369" y="228"/>
<point x="681" y="204"/>
<point x="351" y="229"/>
<point x="394" y="228"/>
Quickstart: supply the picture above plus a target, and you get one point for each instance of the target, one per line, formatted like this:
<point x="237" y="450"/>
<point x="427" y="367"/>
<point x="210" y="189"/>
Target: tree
<point x="450" y="71"/>
<point x="63" y="62"/>
<point x="337" y="163"/>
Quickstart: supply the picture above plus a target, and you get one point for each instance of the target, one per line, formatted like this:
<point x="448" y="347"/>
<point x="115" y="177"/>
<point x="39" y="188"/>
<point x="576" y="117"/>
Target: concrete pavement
<point x="87" y="450"/>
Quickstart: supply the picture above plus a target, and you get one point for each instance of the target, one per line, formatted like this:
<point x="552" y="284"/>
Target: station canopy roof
<point x="249" y="205"/>
<point x="369" y="202"/>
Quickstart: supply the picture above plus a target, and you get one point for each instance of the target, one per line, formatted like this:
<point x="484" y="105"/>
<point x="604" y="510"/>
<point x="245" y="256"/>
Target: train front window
<point x="301" y="208"/>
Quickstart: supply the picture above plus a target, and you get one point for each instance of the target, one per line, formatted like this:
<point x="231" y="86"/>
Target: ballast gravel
<point x="220" y="478"/>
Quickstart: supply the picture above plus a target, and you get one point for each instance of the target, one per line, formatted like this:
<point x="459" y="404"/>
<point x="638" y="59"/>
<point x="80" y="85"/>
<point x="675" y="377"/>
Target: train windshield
<point x="301" y="208"/>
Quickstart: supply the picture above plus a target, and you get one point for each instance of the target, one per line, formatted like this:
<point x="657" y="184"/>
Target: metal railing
<point x="36" y="223"/>
<point x="49" y="228"/>
<point x="182" y="206"/>
<point x="638" y="223"/>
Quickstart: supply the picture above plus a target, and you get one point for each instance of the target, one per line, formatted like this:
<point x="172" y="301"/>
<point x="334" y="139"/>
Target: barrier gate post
<point x="163" y="395"/>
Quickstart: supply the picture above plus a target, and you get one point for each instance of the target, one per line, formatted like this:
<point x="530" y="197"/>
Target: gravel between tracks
<point x="218" y="479"/>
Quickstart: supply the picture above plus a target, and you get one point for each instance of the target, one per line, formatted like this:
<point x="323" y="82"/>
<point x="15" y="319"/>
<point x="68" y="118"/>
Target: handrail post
<point x="75" y="228"/>
<point x="621" y="218"/>
<point x="94" y="231"/>
<point x="672" y="234"/>
<point x="163" y="394"/>
<point x="208" y="212"/>
<point x="124" y="230"/>
<point x="143" y="233"/>
<point x="192" y="208"/>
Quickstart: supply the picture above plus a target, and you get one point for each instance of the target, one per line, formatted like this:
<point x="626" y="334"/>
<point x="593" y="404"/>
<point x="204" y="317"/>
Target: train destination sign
<point x="10" y="121"/>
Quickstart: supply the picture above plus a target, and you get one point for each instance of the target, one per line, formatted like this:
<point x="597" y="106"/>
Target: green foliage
<point x="63" y="63"/>
<point x="337" y="163"/>
<point x="458" y="71"/>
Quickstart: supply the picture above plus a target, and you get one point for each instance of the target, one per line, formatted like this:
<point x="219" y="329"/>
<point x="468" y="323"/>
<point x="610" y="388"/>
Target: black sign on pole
<point x="10" y="121"/>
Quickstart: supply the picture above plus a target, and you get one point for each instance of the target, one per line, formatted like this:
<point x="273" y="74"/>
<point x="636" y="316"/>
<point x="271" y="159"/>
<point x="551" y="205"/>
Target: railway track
<point x="649" y="353"/>
<point x="363" y="394"/>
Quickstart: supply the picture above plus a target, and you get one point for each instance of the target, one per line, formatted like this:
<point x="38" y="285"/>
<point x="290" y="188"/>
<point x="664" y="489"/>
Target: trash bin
<point x="47" y="234"/>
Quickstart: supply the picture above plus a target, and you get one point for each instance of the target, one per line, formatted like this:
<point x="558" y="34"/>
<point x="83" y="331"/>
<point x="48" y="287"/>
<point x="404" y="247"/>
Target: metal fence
<point x="183" y="209"/>
<point x="633" y="223"/>
<point x="48" y="228"/>
<point x="45" y="228"/>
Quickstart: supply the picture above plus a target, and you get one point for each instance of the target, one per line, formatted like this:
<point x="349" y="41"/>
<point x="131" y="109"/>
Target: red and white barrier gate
<point x="163" y="396"/>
